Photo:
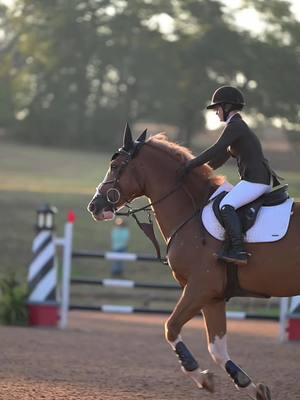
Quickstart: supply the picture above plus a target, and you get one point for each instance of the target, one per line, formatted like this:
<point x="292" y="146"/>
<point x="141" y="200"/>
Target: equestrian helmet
<point x="227" y="95"/>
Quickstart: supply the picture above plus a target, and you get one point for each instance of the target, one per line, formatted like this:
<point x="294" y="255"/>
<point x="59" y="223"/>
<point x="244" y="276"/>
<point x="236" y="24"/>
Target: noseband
<point x="113" y="194"/>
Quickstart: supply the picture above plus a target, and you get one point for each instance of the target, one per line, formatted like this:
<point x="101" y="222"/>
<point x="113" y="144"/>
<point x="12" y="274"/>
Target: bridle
<point x="113" y="194"/>
<point x="115" y="190"/>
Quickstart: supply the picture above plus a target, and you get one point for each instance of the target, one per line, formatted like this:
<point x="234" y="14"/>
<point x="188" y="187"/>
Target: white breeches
<point x="243" y="193"/>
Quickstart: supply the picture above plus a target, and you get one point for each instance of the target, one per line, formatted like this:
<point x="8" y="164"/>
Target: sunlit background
<point x="72" y="73"/>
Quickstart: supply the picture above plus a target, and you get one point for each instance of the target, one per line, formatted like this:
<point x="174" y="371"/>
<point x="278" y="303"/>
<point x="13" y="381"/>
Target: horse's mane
<point x="183" y="154"/>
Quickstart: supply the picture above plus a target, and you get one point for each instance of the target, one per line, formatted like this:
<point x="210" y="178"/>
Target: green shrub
<point x="13" y="297"/>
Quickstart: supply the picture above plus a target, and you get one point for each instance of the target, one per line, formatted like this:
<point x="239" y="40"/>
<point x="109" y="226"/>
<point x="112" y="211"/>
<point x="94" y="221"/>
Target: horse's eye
<point x="113" y="166"/>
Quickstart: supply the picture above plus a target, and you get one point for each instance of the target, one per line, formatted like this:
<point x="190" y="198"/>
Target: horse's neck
<point x="176" y="208"/>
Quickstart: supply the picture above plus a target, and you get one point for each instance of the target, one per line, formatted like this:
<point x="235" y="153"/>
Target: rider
<point x="237" y="140"/>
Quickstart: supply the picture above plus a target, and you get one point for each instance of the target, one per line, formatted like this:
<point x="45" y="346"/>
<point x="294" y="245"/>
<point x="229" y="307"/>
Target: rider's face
<point x="220" y="113"/>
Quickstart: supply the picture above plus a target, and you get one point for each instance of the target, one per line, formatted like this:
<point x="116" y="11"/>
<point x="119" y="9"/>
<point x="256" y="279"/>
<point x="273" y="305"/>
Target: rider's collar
<point x="229" y="118"/>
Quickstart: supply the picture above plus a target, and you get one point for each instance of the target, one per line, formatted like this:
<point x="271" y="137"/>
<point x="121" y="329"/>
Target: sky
<point x="294" y="3"/>
<point x="248" y="17"/>
<point x="233" y="4"/>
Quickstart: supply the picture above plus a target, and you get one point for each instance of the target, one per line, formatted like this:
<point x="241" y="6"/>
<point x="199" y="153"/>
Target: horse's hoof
<point x="203" y="379"/>
<point x="208" y="381"/>
<point x="263" y="392"/>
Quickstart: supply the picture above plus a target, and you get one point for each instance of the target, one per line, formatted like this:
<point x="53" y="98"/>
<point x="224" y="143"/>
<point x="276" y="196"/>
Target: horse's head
<point x="121" y="183"/>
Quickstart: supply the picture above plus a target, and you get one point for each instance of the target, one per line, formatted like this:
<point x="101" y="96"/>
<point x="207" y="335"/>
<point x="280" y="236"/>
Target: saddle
<point x="247" y="215"/>
<point x="249" y="212"/>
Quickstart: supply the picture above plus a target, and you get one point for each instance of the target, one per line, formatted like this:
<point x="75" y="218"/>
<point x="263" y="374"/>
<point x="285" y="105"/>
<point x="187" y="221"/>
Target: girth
<point x="233" y="288"/>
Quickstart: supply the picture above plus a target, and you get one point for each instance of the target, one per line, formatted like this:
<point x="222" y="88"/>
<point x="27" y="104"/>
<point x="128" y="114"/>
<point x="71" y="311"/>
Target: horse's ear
<point x="142" y="137"/>
<point x="127" y="138"/>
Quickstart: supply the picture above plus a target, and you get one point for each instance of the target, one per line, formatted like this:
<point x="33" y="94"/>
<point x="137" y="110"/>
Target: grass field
<point x="32" y="176"/>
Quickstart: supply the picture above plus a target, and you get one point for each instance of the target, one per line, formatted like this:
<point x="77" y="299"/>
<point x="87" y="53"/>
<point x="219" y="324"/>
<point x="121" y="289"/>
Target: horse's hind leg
<point x="215" y="322"/>
<point x="187" y="307"/>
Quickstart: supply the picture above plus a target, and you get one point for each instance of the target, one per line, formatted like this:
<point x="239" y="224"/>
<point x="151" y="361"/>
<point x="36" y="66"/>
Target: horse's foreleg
<point x="215" y="322"/>
<point x="187" y="307"/>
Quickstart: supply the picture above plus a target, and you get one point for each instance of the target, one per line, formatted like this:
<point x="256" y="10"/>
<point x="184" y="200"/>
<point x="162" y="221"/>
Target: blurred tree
<point x="84" y="68"/>
<point x="74" y="72"/>
<point x="204" y="61"/>
<point x="6" y="90"/>
<point x="274" y="63"/>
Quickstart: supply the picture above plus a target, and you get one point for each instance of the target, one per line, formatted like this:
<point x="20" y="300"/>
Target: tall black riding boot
<point x="235" y="252"/>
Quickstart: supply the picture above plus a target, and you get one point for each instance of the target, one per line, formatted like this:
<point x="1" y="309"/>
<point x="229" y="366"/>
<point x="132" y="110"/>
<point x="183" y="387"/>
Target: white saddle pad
<point x="271" y="222"/>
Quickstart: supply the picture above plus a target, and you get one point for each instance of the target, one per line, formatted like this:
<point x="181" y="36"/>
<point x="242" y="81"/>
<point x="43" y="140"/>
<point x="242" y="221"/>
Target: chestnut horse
<point x="150" y="168"/>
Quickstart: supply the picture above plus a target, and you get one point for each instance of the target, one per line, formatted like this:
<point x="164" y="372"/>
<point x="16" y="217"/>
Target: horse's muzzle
<point x="100" y="208"/>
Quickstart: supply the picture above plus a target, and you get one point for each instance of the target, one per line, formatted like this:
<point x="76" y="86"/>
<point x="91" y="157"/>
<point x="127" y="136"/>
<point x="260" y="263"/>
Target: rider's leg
<point x="234" y="250"/>
<point x="243" y="193"/>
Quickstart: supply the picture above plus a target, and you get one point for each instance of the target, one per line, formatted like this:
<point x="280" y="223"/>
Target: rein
<point x="147" y="228"/>
<point x="148" y="206"/>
